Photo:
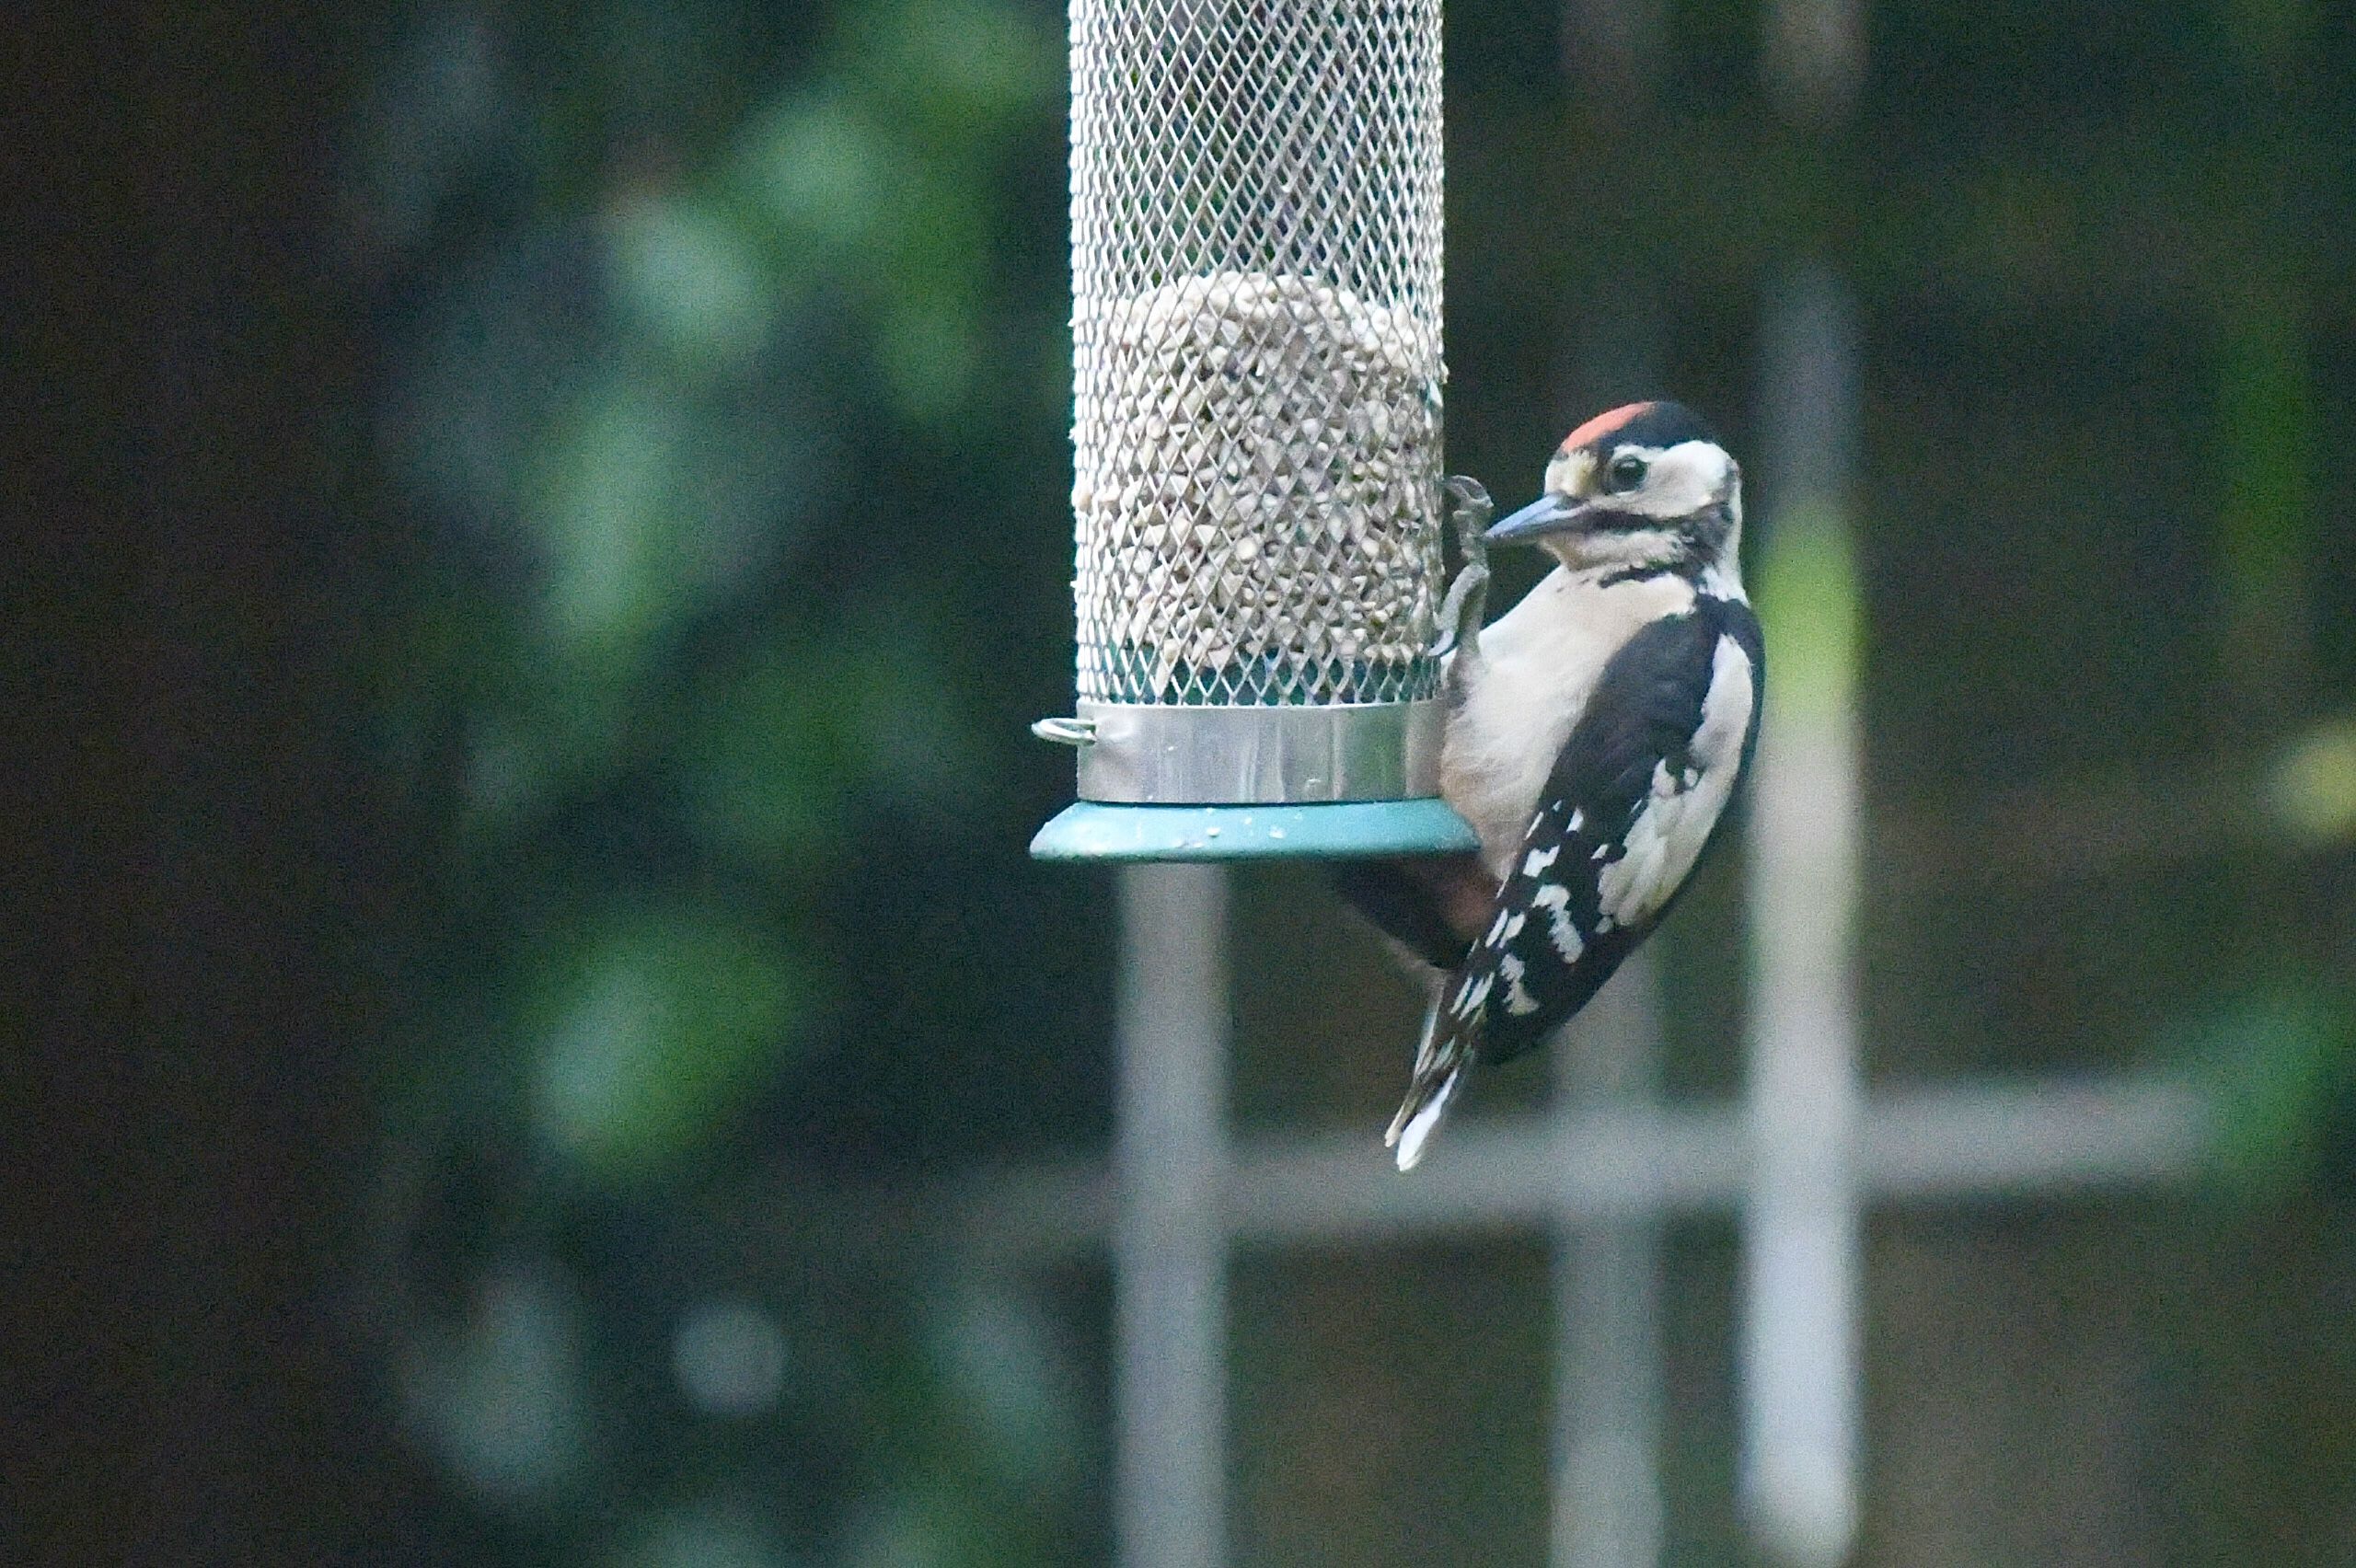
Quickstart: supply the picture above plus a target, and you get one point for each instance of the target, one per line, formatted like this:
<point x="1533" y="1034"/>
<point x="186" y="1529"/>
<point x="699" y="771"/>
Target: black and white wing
<point x="1634" y="797"/>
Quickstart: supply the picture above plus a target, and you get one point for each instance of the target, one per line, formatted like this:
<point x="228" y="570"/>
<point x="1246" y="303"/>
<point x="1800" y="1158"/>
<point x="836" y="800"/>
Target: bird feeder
<point x="1255" y="240"/>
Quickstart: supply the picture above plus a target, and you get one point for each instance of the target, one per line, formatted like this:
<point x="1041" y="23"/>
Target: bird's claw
<point x="1468" y="511"/>
<point x="1461" y="612"/>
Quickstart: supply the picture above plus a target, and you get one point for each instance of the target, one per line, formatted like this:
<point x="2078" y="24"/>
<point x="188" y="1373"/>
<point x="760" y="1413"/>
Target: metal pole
<point x="1800" y="1377"/>
<point x="1606" y="1485"/>
<point x="1169" y="1248"/>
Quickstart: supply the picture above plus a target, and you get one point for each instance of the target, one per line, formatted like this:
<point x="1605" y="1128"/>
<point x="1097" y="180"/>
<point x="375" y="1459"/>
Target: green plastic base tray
<point x="1093" y="830"/>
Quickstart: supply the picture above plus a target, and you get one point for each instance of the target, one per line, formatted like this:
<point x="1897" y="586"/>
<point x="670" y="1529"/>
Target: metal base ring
<point x="1146" y="754"/>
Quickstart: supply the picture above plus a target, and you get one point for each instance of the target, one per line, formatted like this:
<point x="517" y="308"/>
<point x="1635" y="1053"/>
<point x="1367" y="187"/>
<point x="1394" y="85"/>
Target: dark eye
<point x="1627" y="473"/>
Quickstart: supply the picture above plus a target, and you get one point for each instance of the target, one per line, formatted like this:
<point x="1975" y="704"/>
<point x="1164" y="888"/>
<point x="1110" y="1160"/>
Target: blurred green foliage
<point x="649" y="1033"/>
<point x="2280" y="1071"/>
<point x="706" y="325"/>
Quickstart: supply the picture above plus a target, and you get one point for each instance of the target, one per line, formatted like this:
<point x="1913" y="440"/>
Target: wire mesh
<point x="1257" y="326"/>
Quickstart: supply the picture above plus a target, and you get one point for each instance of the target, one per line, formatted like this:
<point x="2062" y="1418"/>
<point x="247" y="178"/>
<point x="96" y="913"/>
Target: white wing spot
<point x="1519" y="1001"/>
<point x="1540" y="859"/>
<point x="1555" y="899"/>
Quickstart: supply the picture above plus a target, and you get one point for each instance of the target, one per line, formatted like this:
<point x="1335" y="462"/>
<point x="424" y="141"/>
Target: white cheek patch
<point x="1671" y="823"/>
<point x="1619" y="547"/>
<point x="1683" y="480"/>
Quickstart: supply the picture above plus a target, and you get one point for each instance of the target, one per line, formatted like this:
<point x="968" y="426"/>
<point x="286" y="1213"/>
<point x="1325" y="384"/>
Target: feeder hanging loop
<point x="1066" y="731"/>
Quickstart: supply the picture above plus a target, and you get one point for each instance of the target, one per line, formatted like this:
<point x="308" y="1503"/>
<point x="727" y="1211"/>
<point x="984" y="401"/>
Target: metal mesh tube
<point x="1256" y="325"/>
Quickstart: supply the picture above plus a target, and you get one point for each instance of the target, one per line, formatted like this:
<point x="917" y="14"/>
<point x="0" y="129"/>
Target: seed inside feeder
<point x="1258" y="456"/>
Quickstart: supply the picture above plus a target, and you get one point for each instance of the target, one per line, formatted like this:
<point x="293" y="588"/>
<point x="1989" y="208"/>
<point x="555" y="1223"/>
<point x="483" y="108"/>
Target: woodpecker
<point x="1595" y="734"/>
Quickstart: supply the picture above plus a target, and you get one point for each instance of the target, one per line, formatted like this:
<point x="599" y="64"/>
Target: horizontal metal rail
<point x="2037" y="1138"/>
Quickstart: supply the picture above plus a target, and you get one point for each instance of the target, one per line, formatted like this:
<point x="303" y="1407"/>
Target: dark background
<point x="540" y="526"/>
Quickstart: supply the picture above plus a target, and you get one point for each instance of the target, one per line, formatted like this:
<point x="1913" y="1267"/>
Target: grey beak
<point x="1548" y="514"/>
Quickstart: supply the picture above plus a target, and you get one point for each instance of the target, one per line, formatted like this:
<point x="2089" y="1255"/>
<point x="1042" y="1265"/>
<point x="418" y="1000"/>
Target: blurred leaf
<point x="1004" y="1361"/>
<point x="2274" y="1068"/>
<point x="493" y="358"/>
<point x="880" y="179"/>
<point x="442" y="113"/>
<point x="730" y="1357"/>
<point x="904" y="1529"/>
<point x="965" y="65"/>
<point x="605" y="514"/>
<point x="654" y="497"/>
<point x="657" y="1027"/>
<point x="769" y="769"/>
<point x="818" y="169"/>
<point x="554" y="724"/>
<point x="928" y="350"/>
<point x="693" y="277"/>
<point x="2266" y="424"/>
<point x="2313" y="786"/>
<point x="712" y="1535"/>
<point x="500" y="1394"/>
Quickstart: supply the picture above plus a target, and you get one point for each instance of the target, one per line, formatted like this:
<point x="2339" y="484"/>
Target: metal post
<point x="1606" y="1484"/>
<point x="1800" y="1375"/>
<point x="1802" y="1227"/>
<point x="1169" y="1248"/>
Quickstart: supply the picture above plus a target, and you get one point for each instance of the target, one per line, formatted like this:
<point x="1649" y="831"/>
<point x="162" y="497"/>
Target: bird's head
<point x="1645" y="488"/>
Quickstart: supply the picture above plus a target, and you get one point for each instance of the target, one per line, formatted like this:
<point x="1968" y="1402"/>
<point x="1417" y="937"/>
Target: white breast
<point x="1539" y="664"/>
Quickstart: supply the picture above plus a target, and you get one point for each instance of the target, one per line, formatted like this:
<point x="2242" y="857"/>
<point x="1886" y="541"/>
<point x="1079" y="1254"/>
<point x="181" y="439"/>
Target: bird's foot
<point x="1461" y="612"/>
